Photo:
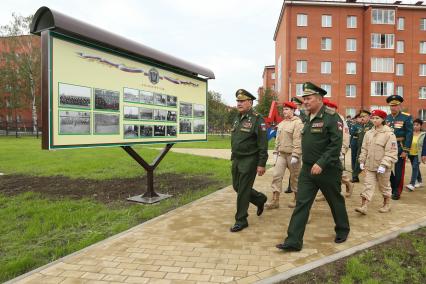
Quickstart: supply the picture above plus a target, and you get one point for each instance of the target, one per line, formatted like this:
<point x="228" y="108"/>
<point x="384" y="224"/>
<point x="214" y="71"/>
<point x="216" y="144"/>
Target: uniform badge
<point x="393" y="145"/>
<point x="318" y="124"/>
<point x="262" y="126"/>
<point x="247" y="124"/>
<point x="340" y="126"/>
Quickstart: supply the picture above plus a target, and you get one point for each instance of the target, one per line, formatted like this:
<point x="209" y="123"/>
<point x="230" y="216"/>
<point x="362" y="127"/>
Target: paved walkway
<point x="192" y="244"/>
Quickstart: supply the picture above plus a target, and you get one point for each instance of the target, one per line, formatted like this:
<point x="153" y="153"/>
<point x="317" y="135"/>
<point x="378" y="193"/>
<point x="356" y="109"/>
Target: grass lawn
<point x="36" y="229"/>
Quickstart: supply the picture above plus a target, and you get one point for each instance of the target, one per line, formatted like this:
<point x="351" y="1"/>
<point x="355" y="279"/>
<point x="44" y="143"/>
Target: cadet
<point x="402" y="124"/>
<point x="378" y="154"/>
<point x="366" y="125"/>
<point x="288" y="150"/>
<point x="322" y="136"/>
<point x="249" y="154"/>
<point x="353" y="130"/>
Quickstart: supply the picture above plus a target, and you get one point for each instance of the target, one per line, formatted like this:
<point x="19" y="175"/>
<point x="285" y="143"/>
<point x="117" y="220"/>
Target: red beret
<point x="290" y="105"/>
<point x="325" y="101"/>
<point x="379" y="113"/>
<point x="331" y="104"/>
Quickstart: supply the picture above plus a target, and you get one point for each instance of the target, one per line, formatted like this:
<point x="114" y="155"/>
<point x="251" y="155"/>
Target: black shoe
<point x="261" y="207"/>
<point x="339" y="240"/>
<point x="355" y="179"/>
<point x="286" y="247"/>
<point x="237" y="228"/>
<point x="395" y="197"/>
<point x="288" y="190"/>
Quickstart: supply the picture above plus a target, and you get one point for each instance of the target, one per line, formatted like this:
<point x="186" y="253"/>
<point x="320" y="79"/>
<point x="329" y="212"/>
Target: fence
<point x="19" y="128"/>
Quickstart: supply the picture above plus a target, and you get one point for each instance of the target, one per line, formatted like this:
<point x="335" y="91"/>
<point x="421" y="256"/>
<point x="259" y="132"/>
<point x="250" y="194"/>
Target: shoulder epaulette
<point x="406" y="113"/>
<point x="330" y="110"/>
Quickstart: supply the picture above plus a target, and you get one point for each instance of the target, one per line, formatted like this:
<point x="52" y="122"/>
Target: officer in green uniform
<point x="366" y="125"/>
<point x="322" y="138"/>
<point x="353" y="130"/>
<point x="249" y="155"/>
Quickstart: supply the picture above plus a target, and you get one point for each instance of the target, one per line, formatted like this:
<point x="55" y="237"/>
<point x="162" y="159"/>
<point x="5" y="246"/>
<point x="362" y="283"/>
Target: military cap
<point x="290" y="105"/>
<point x="311" y="89"/>
<point x="243" y="95"/>
<point x="394" y="100"/>
<point x="364" y="112"/>
<point x="296" y="100"/>
<point x="379" y="113"/>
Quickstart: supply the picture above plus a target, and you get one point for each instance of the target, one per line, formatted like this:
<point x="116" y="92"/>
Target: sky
<point x="233" y="38"/>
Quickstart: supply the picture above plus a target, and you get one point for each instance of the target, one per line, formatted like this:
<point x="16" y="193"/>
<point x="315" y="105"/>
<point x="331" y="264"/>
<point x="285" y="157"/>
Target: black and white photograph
<point x="160" y="99"/>
<point x="171" y="115"/>
<point x="107" y="123"/>
<point x="185" y="126"/>
<point x="160" y="114"/>
<point x="107" y="100"/>
<point x="74" y="96"/>
<point x="199" y="126"/>
<point x="171" y="130"/>
<point x="131" y="131"/>
<point x="171" y="101"/>
<point x="146" y="113"/>
<point x="145" y="131"/>
<point x="159" y="130"/>
<point x="199" y="110"/>
<point x="74" y="122"/>
<point x="186" y="109"/>
<point x="146" y="97"/>
<point x="131" y="95"/>
<point x="131" y="112"/>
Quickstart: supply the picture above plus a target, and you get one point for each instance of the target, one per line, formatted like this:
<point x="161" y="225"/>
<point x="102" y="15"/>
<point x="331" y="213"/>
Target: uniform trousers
<point x="397" y="176"/>
<point x="283" y="163"/>
<point x="371" y="179"/>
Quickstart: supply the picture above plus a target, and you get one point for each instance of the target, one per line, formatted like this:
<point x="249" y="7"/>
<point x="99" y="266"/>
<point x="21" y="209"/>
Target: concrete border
<point x="331" y="258"/>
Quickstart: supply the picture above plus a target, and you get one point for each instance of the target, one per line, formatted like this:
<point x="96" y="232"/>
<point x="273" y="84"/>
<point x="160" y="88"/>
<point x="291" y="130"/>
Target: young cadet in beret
<point x="366" y="125"/>
<point x="378" y="155"/>
<point x="249" y="147"/>
<point x="322" y="137"/>
<point x="402" y="125"/>
<point x="288" y="149"/>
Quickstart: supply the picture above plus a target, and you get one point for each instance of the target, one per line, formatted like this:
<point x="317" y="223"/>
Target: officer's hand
<point x="381" y="170"/>
<point x="403" y="155"/>
<point x="260" y="171"/>
<point x="316" y="170"/>
<point x="362" y="167"/>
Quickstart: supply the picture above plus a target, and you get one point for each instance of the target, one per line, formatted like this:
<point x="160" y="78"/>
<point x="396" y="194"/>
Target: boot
<point x="363" y="208"/>
<point x="292" y="203"/>
<point x="349" y="189"/>
<point x="386" y="205"/>
<point x="275" y="203"/>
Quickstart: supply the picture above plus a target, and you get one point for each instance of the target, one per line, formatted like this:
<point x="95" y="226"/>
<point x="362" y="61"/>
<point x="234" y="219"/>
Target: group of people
<point x="312" y="142"/>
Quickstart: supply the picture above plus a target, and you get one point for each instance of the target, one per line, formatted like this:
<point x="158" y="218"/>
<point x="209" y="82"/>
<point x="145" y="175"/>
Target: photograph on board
<point x="146" y="113"/>
<point x="171" y="101"/>
<point x="185" y="109"/>
<point x="159" y="130"/>
<point x="131" y="131"/>
<point x="107" y="100"/>
<point x="73" y="96"/>
<point x="131" y="95"/>
<point x="185" y="125"/>
<point x="199" y="110"/>
<point x="171" y="115"/>
<point x="171" y="130"/>
<point x="74" y="122"/>
<point x="107" y="123"/>
<point x="146" y="131"/>
<point x="160" y="114"/>
<point x="199" y="126"/>
<point x="160" y="99"/>
<point x="146" y="97"/>
<point x="131" y="112"/>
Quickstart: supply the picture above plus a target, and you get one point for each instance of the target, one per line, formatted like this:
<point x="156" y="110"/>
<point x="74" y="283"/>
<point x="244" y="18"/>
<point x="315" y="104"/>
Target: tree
<point x="220" y="115"/>
<point x="264" y="104"/>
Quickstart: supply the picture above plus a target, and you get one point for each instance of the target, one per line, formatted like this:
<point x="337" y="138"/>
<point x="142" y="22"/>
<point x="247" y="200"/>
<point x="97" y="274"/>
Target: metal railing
<point x="19" y="128"/>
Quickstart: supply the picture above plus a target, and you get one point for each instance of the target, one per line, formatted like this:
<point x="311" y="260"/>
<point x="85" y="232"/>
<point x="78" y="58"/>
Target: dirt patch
<point x="105" y="191"/>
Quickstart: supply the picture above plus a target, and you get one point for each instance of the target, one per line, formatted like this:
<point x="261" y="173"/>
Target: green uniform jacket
<point x="248" y="137"/>
<point x="322" y="139"/>
<point x="361" y="133"/>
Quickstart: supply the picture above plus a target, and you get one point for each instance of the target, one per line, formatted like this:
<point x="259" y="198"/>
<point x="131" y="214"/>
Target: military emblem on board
<point x="154" y="76"/>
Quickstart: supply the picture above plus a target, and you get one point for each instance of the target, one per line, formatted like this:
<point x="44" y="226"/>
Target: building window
<point x="351" y="111"/>
<point x="350" y="91"/>
<point x="381" y="88"/>
<point x="384" y="108"/>
<point x="401" y="24"/>
<point x="350" y="44"/>
<point x="302" y="43"/>
<point x="350" y="68"/>
<point x="326" y="67"/>
<point x="422" y="114"/>
<point x="351" y="22"/>
<point x="422" y="71"/>
<point x="8" y="118"/>
<point x="18" y="118"/>
<point x="399" y="69"/>
<point x="299" y="90"/>
<point x="382" y="65"/>
<point x="273" y="75"/>
<point x="302" y="66"/>
<point x="326" y="21"/>
<point x="278" y="82"/>
<point x="302" y="20"/>
<point x="400" y="90"/>
<point x="422" y="93"/>
<point x="382" y="41"/>
<point x="423" y="24"/>
<point x="327" y="88"/>
<point x="326" y="43"/>
<point x="399" y="46"/>
<point x="423" y="47"/>
<point x="383" y="16"/>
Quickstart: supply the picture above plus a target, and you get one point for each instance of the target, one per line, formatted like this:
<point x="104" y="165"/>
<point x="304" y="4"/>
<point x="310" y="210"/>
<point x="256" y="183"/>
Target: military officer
<point x="366" y="125"/>
<point x="353" y="130"/>
<point x="402" y="125"/>
<point x="249" y="155"/>
<point x="322" y="137"/>
<point x="300" y="111"/>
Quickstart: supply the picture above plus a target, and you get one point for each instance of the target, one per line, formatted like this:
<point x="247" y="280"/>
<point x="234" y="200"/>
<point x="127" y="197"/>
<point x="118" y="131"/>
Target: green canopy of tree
<point x="220" y="115"/>
<point x="264" y="104"/>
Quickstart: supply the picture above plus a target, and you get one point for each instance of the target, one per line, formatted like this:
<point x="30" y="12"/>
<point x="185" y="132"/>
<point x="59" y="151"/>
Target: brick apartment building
<point x="359" y="52"/>
<point x="268" y="77"/>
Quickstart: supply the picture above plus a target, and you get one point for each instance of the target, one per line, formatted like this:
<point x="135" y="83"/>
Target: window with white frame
<point x="350" y="68"/>
<point x="326" y="67"/>
<point x="382" y="65"/>
<point x="351" y="91"/>
<point x="422" y="114"/>
<point x="422" y="71"/>
<point x="326" y="21"/>
<point x="351" y="22"/>
<point x="350" y="44"/>
<point x="381" y="88"/>
<point x="351" y="111"/>
<point x="302" y="20"/>
<point x="400" y="91"/>
<point x="302" y="43"/>
<point x="385" y="41"/>
<point x="327" y="88"/>
<point x="399" y="46"/>
<point x="399" y="69"/>
<point x="299" y="90"/>
<point x="18" y="118"/>
<point x="423" y="47"/>
<point x="273" y="75"/>
<point x="383" y="16"/>
<point x="326" y="43"/>
<point x="301" y="66"/>
<point x="8" y="118"/>
<point x="384" y="108"/>
<point x="422" y="92"/>
<point x="401" y="24"/>
<point x="423" y="24"/>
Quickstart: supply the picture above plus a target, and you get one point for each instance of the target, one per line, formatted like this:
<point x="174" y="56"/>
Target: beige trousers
<point x="283" y="163"/>
<point x="371" y="179"/>
<point x="345" y="178"/>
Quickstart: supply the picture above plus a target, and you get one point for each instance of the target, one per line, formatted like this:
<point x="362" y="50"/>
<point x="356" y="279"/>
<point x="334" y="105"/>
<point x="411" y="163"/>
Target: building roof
<point x="348" y="3"/>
